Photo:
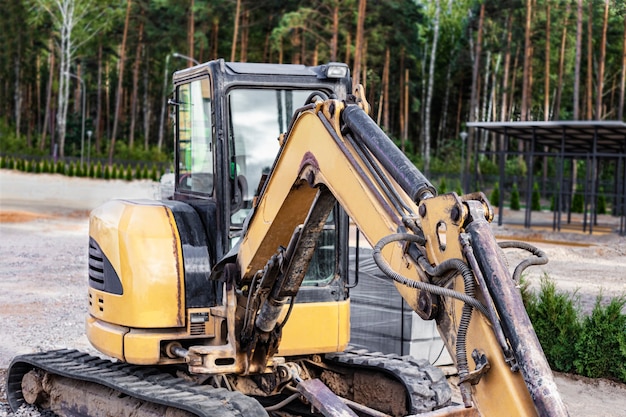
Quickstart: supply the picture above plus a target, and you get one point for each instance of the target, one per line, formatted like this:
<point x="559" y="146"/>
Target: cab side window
<point x="195" y="139"/>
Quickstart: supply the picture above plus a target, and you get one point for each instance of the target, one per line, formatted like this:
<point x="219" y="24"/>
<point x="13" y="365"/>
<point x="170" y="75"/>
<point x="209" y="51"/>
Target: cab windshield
<point x="257" y="118"/>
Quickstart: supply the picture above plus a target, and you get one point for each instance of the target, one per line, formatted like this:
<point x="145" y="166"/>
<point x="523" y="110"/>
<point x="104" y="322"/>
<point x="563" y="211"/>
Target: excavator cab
<point x="229" y="118"/>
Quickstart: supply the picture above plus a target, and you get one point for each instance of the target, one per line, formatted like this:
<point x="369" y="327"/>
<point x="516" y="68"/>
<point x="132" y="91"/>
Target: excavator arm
<point x="439" y="251"/>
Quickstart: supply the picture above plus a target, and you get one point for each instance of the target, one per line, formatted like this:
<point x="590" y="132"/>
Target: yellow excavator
<point x="232" y="297"/>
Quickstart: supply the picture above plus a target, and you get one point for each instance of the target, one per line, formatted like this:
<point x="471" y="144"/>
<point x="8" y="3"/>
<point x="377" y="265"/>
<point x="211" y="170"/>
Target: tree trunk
<point x="48" y="110"/>
<point x="589" y="102"/>
<point x="600" y="86"/>
<point x="527" y="63"/>
<point x="401" y="94"/>
<point x="191" y="33"/>
<point x="99" y="118"/>
<point x="245" y="30"/>
<point x="431" y="84"/>
<point x="135" y="92"/>
<point x="507" y="64"/>
<point x="120" y="77"/>
<point x="147" y="109"/>
<point x="235" y="32"/>
<point x="334" y="41"/>
<point x="359" y="43"/>
<point x="384" y="102"/>
<point x="546" y="81"/>
<point x="578" y="59"/>
<point x="559" y="87"/>
<point x="215" y="37"/>
<point x="622" y="84"/>
<point x="474" y="92"/>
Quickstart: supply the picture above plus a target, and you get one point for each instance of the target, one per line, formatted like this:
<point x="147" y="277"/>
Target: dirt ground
<point x="43" y="265"/>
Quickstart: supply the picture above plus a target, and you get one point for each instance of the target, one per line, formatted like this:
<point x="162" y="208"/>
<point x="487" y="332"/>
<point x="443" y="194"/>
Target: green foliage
<point x="114" y="172"/>
<point x="515" y="167"/>
<point x="71" y="169"/>
<point x="535" y="198"/>
<point x="578" y="202"/>
<point x="443" y="188"/>
<point x="154" y="174"/>
<point x="92" y="170"/>
<point x="555" y="320"/>
<point x="488" y="167"/>
<point x="129" y="173"/>
<point x="592" y="346"/>
<point x="601" y="346"/>
<point x="60" y="167"/>
<point x="45" y="168"/>
<point x="99" y="171"/>
<point x="494" y="197"/>
<point x="601" y="203"/>
<point x="515" y="204"/>
<point x="107" y="172"/>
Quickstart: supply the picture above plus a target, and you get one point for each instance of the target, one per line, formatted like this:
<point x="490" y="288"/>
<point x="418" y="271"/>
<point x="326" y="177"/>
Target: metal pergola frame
<point x="594" y="141"/>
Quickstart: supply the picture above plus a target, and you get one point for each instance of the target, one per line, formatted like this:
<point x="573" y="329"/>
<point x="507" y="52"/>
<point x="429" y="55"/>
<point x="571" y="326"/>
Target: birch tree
<point x="431" y="82"/>
<point x="75" y="23"/>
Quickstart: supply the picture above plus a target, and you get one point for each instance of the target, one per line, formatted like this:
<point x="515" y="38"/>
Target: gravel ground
<point x="43" y="269"/>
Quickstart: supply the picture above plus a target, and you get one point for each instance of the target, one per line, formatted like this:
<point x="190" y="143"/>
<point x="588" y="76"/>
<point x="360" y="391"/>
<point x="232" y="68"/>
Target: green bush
<point x="515" y="204"/>
<point x="494" y="197"/>
<point x="60" y="167"/>
<point x="578" y="202"/>
<point x="99" y="171"/>
<point x="601" y="203"/>
<point x="154" y="175"/>
<point x="556" y="323"/>
<point x="107" y="172"/>
<point x="535" y="198"/>
<point x="601" y="346"/>
<point x="45" y="167"/>
<point x="129" y="173"/>
<point x="443" y="188"/>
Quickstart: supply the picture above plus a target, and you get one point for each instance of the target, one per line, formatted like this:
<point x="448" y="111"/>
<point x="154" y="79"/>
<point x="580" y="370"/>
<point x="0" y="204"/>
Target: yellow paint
<point x="316" y="328"/>
<point x="141" y="241"/>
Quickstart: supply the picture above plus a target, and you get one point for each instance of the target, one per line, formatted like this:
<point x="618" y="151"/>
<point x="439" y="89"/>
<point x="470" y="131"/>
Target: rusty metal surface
<point x="516" y="324"/>
<point x="323" y="399"/>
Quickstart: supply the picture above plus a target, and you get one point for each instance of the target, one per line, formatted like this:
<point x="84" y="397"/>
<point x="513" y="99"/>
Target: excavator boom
<point x="437" y="250"/>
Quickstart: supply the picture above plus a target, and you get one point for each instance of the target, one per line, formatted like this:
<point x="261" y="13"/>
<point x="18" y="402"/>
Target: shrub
<point x="601" y="203"/>
<point x="114" y="172"/>
<point x="99" y="171"/>
<point x="442" y="186"/>
<point x="107" y="172"/>
<point x="129" y="173"/>
<point x="494" y="197"/>
<point x="578" y="202"/>
<point x="556" y="323"/>
<point x="601" y="346"/>
<point x="535" y="198"/>
<point x="154" y="175"/>
<point x="45" y="167"/>
<point x="515" y="205"/>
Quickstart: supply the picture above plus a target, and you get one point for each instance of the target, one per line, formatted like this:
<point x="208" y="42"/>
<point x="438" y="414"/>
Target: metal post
<point x="188" y="58"/>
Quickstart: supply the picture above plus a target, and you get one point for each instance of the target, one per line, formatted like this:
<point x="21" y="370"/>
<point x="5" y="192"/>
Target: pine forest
<point x="428" y="67"/>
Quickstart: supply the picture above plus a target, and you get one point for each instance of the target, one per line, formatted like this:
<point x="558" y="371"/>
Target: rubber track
<point x="426" y="384"/>
<point x="144" y="383"/>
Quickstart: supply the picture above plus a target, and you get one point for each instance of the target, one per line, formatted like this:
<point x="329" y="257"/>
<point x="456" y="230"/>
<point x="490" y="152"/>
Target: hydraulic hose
<point x="540" y="257"/>
<point x="468" y="298"/>
<point x="423" y="286"/>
